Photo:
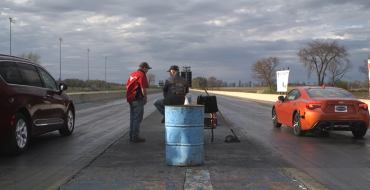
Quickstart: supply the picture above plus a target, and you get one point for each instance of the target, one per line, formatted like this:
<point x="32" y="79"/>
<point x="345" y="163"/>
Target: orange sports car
<point x="322" y="108"/>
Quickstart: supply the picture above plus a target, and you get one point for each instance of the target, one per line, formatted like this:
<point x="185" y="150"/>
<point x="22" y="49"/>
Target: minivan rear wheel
<point x="69" y="123"/>
<point x="20" y="135"/>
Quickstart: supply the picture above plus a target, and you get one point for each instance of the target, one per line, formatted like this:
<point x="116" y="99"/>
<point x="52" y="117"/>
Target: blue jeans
<point x="159" y="105"/>
<point x="136" y="116"/>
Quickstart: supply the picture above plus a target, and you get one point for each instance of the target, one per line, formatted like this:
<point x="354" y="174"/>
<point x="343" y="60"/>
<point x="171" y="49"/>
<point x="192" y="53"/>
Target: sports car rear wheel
<point x="297" y="125"/>
<point x="359" y="133"/>
<point x="275" y="122"/>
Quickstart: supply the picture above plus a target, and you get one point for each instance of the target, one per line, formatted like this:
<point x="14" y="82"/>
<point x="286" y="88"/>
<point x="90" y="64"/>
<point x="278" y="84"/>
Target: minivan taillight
<point x="11" y="123"/>
<point x="312" y="106"/>
<point x="363" y="106"/>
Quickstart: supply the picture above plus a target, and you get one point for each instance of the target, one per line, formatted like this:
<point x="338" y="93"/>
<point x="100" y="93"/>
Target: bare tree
<point x="34" y="57"/>
<point x="232" y="84"/>
<point x="264" y="70"/>
<point x="356" y="84"/>
<point x="337" y="70"/>
<point x="151" y="78"/>
<point x="218" y="84"/>
<point x="196" y="80"/>
<point x="342" y="84"/>
<point x="211" y="82"/>
<point x="319" y="55"/>
<point x="364" y="68"/>
<point x="365" y="84"/>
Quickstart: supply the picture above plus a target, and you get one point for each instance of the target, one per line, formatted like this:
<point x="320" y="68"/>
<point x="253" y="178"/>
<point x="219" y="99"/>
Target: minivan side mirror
<point x="63" y="86"/>
<point x="281" y="98"/>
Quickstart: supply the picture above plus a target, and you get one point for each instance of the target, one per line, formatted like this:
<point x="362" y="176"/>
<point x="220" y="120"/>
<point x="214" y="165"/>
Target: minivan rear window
<point x="29" y="74"/>
<point x="10" y="73"/>
<point x="328" y="93"/>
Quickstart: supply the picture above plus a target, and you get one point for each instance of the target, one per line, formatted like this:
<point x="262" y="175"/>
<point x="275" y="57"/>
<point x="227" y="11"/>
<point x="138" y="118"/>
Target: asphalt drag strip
<point x="127" y="165"/>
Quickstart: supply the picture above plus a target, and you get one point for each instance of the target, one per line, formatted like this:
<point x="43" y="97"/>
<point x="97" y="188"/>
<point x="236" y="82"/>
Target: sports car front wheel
<point x="275" y="122"/>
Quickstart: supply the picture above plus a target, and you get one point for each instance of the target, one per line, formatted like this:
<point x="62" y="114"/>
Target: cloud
<point x="216" y="38"/>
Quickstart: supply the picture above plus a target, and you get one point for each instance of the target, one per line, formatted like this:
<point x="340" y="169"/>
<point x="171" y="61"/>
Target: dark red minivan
<point x="31" y="103"/>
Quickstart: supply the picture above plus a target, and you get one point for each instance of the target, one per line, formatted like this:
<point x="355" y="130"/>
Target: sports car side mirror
<point x="281" y="98"/>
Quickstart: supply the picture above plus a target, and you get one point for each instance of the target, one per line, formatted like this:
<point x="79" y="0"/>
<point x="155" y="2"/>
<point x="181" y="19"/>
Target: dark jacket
<point x="176" y="88"/>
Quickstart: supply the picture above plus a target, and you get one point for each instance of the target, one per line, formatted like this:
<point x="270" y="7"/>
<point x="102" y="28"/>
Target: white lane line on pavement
<point x="197" y="179"/>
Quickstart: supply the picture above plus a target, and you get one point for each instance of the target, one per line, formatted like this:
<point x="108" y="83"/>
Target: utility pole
<point x="11" y="20"/>
<point x="60" y="64"/>
<point x="88" y="71"/>
<point x="105" y="72"/>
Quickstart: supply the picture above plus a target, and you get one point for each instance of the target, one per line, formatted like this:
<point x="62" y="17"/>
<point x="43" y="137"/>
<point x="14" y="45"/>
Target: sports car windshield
<point x="328" y="93"/>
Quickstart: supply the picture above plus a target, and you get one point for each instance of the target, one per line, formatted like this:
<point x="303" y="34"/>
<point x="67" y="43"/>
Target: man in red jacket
<point x="137" y="98"/>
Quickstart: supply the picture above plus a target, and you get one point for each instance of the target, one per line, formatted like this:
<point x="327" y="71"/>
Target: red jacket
<point x="136" y="81"/>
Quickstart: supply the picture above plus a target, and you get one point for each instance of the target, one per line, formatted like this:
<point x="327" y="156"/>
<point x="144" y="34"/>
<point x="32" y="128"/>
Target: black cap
<point x="173" y="67"/>
<point x="144" y="64"/>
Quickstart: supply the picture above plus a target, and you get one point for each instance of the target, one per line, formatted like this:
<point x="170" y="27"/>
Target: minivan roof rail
<point x="16" y="57"/>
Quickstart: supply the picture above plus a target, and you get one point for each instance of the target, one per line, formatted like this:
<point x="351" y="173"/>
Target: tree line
<point x="355" y="85"/>
<point x="93" y="85"/>
<point x="328" y="61"/>
<point x="325" y="59"/>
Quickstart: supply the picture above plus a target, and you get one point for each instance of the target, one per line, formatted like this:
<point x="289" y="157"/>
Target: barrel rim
<point x="197" y="105"/>
<point x="178" y="126"/>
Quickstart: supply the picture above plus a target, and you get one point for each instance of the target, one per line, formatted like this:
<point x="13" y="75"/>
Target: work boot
<point x="163" y="120"/>
<point x="138" y="139"/>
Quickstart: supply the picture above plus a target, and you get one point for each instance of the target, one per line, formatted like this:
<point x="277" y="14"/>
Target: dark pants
<point x="159" y="105"/>
<point x="136" y="116"/>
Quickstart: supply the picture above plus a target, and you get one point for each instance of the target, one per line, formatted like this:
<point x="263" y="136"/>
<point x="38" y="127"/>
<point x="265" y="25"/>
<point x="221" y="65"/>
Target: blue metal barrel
<point x="184" y="135"/>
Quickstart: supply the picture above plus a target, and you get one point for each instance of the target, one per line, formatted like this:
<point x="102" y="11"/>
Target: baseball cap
<point x="144" y="64"/>
<point x="173" y="67"/>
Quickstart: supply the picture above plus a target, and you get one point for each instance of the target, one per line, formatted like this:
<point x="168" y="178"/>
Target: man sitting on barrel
<point x="174" y="91"/>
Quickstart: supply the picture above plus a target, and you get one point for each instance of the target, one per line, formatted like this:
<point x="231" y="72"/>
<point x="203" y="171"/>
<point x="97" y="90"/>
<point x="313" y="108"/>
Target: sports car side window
<point x="292" y="95"/>
<point x="297" y="95"/>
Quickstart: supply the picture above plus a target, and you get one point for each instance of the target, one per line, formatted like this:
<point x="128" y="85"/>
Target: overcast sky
<point x="215" y="38"/>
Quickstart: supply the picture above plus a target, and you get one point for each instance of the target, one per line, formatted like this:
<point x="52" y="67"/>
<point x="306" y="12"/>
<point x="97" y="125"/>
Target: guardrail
<point x="85" y="97"/>
<point x="93" y="97"/>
